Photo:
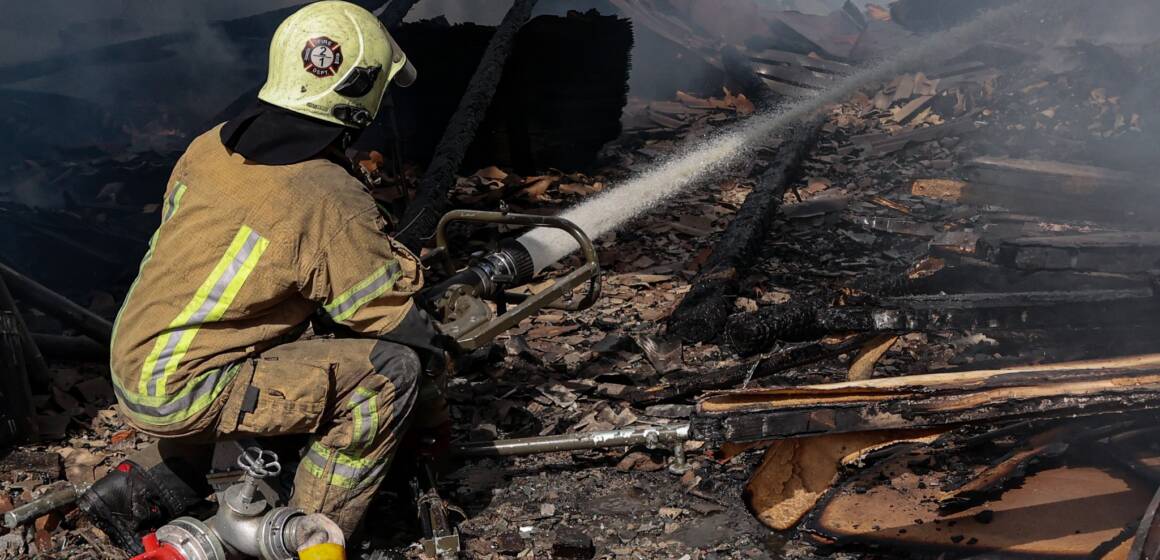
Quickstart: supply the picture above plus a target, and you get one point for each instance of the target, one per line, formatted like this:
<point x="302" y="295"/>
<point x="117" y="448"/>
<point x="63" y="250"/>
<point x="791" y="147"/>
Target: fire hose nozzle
<point x="458" y="300"/>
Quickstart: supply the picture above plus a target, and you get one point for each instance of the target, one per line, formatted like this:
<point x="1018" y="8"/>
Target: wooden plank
<point x="1116" y="252"/>
<point x="1063" y="512"/>
<point x="786" y="90"/>
<point x="793" y="75"/>
<point x="811" y="63"/>
<point x="1052" y="176"/>
<point x="881" y="144"/>
<point x="930" y="400"/>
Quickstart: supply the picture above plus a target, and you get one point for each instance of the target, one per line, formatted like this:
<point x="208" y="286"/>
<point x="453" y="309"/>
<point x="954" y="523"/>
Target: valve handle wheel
<point x="259" y="463"/>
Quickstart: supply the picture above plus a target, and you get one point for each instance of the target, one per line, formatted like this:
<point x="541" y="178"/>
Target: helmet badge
<point x="322" y="57"/>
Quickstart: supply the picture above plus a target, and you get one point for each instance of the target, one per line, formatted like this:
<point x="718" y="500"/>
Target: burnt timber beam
<point x="1057" y="189"/>
<point x="749" y="332"/>
<point x="1112" y="252"/>
<point x="14" y="383"/>
<point x="1066" y="390"/>
<point x="71" y="348"/>
<point x="685" y="384"/>
<point x="393" y="13"/>
<point x="84" y="321"/>
<point x="432" y="199"/>
<point x="33" y="360"/>
<point x="702" y="314"/>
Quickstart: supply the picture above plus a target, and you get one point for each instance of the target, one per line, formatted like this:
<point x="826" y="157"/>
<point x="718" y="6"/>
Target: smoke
<point x="181" y="71"/>
<point x="618" y="206"/>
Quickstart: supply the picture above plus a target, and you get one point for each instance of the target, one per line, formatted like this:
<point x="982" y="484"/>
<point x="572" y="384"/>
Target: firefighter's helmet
<point x="332" y="60"/>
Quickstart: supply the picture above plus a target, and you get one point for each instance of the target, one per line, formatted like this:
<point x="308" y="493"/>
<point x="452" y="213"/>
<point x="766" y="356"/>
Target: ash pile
<point x="920" y="322"/>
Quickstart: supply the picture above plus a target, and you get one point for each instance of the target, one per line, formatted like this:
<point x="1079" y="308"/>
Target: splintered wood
<point x="924" y="401"/>
<point x="1064" y="512"/>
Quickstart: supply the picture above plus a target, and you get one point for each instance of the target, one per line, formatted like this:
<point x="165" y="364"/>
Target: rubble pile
<point x="937" y="342"/>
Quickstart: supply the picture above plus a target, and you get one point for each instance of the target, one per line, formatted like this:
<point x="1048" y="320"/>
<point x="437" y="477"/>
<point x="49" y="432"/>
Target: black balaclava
<point x="270" y="135"/>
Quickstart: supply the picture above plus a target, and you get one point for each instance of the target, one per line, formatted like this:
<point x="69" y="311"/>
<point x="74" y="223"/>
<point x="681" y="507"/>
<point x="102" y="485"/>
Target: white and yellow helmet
<point x="332" y="61"/>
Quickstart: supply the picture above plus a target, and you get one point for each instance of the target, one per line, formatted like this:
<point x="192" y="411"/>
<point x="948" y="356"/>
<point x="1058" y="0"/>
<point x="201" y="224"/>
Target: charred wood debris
<point x="918" y="323"/>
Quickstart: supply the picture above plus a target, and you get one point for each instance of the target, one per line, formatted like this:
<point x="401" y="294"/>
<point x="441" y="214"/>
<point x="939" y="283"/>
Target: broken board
<point x="1069" y="389"/>
<point x="1063" y="512"/>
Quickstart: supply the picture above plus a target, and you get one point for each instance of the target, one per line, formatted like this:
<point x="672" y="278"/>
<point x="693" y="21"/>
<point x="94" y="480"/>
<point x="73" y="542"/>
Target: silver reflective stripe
<point x="174" y="337"/>
<point x="174" y="199"/>
<point x="348" y="472"/>
<point x="201" y="388"/>
<point x="372" y="476"/>
<point x="364" y="416"/>
<point x="354" y="301"/>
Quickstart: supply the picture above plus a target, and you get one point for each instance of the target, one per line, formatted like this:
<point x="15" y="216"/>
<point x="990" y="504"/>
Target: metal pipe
<point x="652" y="436"/>
<point x="43" y="505"/>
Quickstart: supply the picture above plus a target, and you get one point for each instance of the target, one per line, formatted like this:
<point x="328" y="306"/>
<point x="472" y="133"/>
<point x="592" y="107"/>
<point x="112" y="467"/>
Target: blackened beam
<point x="71" y="348"/>
<point x="84" y="321"/>
<point x="432" y="199"/>
<point x="33" y="359"/>
<point x="750" y="332"/>
<point x="1066" y="390"/>
<point x="17" y="413"/>
<point x="1112" y="252"/>
<point x="684" y="384"/>
<point x="702" y="314"/>
<point x="393" y="13"/>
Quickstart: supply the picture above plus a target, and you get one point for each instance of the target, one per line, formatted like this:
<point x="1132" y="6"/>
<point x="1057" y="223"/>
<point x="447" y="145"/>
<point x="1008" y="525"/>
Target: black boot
<point x="131" y="502"/>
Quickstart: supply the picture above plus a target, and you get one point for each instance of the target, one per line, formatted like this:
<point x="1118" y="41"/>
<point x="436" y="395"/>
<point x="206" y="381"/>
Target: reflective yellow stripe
<point x="349" y="471"/>
<point x="194" y="398"/>
<point x="364" y="404"/>
<point x="174" y="201"/>
<point x="209" y="303"/>
<point x="169" y="208"/>
<point x="373" y="286"/>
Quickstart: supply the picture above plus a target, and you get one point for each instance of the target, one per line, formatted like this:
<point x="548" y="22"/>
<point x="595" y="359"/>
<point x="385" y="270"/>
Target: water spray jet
<point x="614" y="208"/>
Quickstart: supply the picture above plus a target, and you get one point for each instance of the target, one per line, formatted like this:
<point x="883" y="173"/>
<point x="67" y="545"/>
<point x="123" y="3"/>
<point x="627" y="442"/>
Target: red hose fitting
<point x="157" y="551"/>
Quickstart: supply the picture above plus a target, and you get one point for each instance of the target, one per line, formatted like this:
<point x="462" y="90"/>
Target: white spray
<point x="615" y="207"/>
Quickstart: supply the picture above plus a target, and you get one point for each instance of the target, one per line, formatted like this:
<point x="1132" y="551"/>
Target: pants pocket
<point x="284" y="397"/>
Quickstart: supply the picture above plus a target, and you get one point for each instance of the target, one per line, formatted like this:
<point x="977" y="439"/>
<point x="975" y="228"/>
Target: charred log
<point x="394" y="12"/>
<point x="71" y="348"/>
<point x="1120" y="252"/>
<point x="687" y="384"/>
<point x="16" y="415"/>
<point x="32" y="361"/>
<point x="750" y="332"/>
<point x="431" y="201"/>
<point x="84" y="321"/>
<point x="703" y="312"/>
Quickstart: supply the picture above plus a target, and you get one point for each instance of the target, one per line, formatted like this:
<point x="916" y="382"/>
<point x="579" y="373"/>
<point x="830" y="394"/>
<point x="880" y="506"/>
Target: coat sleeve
<point x="362" y="278"/>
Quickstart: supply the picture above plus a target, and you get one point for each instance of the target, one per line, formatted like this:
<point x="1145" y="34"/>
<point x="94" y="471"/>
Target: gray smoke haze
<point x="137" y="95"/>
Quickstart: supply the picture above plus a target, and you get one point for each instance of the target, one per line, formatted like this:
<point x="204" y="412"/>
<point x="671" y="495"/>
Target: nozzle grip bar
<point x="652" y="436"/>
<point x="588" y="272"/>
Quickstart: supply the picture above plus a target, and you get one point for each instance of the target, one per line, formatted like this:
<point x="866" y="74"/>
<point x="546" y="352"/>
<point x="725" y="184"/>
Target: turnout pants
<point x="354" y="395"/>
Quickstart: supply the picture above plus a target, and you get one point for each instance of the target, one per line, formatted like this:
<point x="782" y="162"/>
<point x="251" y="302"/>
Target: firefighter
<point x="265" y="229"/>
